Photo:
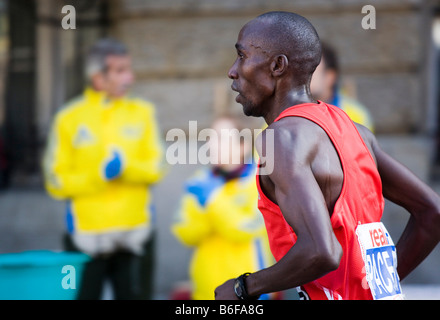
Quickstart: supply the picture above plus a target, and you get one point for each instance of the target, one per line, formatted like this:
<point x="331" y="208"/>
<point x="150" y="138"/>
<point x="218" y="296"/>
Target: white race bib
<point x="380" y="259"/>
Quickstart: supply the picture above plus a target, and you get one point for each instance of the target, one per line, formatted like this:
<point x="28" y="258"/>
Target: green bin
<point x="41" y="275"/>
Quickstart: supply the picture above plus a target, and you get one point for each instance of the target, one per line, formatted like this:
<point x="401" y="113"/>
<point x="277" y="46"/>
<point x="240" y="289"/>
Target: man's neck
<point x="295" y="96"/>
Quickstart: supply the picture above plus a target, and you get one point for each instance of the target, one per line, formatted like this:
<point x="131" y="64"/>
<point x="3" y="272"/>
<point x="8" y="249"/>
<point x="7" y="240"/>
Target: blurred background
<point x="182" y="50"/>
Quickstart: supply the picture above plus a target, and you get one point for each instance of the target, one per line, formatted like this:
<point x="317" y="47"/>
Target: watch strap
<point x="240" y="288"/>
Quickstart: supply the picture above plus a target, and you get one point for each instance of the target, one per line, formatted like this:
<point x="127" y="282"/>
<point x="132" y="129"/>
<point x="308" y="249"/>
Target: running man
<point x="323" y="201"/>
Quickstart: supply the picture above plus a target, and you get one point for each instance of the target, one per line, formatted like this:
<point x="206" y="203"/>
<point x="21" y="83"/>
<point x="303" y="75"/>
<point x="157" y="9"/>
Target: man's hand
<point x="113" y="167"/>
<point x="226" y="291"/>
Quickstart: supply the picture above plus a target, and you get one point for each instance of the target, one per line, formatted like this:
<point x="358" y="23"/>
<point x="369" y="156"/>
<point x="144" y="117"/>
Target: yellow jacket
<point x="221" y="220"/>
<point x="355" y="110"/>
<point x="82" y="138"/>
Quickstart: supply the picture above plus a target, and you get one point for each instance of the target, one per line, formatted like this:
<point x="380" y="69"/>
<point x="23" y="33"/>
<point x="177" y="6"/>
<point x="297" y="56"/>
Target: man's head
<point x="325" y="78"/>
<point x="108" y="67"/>
<point x="277" y="52"/>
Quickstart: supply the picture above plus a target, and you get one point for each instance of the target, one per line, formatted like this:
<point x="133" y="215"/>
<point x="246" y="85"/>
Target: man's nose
<point x="232" y="73"/>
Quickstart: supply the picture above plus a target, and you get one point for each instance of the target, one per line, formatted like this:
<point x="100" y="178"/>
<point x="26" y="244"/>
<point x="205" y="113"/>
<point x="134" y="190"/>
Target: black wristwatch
<point x="240" y="288"/>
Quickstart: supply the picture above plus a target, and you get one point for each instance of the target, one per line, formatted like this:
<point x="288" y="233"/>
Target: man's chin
<point x="249" y="111"/>
<point x="248" y="108"/>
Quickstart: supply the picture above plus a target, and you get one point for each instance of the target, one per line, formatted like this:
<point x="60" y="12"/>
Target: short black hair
<point x="330" y="57"/>
<point x="96" y="58"/>
<point x="294" y="36"/>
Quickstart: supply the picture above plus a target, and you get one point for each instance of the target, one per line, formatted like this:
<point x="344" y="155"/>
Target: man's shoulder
<point x="71" y="108"/>
<point x="202" y="184"/>
<point x="141" y="104"/>
<point x="291" y="137"/>
<point x="293" y="128"/>
<point x="292" y="123"/>
<point x="141" y="108"/>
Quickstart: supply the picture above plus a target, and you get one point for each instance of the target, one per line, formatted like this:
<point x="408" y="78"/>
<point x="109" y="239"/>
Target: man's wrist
<point x="240" y="288"/>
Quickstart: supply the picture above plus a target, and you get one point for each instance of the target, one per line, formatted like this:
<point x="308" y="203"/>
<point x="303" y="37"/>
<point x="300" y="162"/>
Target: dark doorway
<point x="436" y="92"/>
<point x="20" y="129"/>
<point x="23" y="134"/>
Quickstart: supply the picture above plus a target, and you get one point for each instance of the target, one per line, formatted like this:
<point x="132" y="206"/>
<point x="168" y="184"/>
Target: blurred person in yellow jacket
<point x="219" y="217"/>
<point x="102" y="156"/>
<point x="325" y="86"/>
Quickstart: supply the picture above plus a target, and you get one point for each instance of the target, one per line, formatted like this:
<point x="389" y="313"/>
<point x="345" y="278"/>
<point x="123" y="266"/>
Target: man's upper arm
<point x="297" y="192"/>
<point x="403" y="187"/>
<point x="62" y="180"/>
<point x="399" y="184"/>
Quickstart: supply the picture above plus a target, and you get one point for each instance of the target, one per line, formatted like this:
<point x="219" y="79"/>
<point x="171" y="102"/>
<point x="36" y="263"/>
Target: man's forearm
<point x="415" y="244"/>
<point x="296" y="268"/>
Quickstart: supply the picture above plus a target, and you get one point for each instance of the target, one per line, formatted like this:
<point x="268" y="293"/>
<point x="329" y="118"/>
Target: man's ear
<point x="279" y="65"/>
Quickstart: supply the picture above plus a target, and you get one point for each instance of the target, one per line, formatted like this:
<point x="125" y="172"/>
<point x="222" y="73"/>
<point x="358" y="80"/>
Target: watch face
<point x="237" y="289"/>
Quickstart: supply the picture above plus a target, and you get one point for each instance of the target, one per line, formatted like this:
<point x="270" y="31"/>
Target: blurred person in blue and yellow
<point x="102" y="156"/>
<point x="219" y="217"/>
<point x="325" y="86"/>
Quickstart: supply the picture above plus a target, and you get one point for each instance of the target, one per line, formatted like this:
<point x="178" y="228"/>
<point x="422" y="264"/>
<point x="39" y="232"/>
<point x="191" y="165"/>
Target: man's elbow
<point x="334" y="258"/>
<point x="329" y="258"/>
<point x="429" y="217"/>
<point x="54" y="192"/>
<point x="432" y="223"/>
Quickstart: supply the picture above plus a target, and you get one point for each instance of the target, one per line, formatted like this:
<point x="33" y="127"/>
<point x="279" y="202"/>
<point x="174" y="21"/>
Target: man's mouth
<point x="234" y="88"/>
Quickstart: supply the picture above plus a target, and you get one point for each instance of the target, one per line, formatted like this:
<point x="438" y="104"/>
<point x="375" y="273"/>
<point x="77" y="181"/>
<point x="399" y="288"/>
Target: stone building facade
<point x="182" y="50"/>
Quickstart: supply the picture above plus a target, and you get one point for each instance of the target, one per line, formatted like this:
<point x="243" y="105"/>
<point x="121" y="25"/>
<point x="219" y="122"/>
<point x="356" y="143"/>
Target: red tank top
<point x="360" y="203"/>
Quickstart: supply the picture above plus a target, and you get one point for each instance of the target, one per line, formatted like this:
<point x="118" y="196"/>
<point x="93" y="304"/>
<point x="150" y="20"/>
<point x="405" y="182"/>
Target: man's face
<point x="323" y="82"/>
<point x="118" y="77"/>
<point x="251" y="72"/>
